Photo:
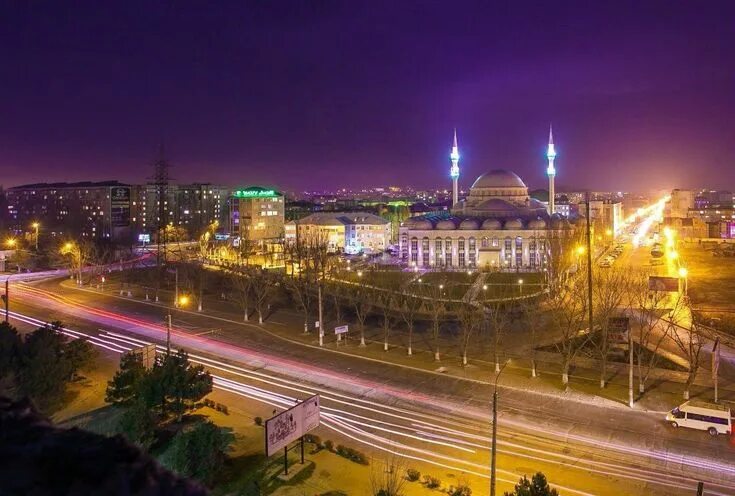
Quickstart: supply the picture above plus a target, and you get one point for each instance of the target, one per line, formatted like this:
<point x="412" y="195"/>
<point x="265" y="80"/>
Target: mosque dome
<point x="498" y="178"/>
<point x="537" y="223"/>
<point x="419" y="224"/>
<point x="491" y="224"/>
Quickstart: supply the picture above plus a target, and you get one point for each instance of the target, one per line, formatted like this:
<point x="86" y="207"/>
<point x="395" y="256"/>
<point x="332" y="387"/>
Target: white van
<point x="709" y="417"/>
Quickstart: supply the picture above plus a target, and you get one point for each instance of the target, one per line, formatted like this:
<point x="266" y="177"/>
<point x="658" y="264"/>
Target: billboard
<point x="661" y="283"/>
<point x="341" y="329"/>
<point x="120" y="206"/>
<point x="617" y="330"/>
<point x="290" y="425"/>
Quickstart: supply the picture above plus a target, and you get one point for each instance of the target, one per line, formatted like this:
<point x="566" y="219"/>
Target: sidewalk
<point x="661" y="396"/>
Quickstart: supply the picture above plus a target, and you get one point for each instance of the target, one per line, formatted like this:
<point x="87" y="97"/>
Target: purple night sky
<point x="320" y="94"/>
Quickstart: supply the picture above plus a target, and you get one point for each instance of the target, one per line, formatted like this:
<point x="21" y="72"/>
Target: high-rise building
<point x="95" y="210"/>
<point x="256" y="216"/>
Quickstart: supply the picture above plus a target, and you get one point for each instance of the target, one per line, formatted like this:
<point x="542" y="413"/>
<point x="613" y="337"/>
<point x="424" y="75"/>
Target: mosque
<point x="496" y="226"/>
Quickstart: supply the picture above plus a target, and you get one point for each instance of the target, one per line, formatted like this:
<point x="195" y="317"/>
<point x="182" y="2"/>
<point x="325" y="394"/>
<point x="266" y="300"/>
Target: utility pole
<point x="495" y="431"/>
<point x="7" y="298"/>
<point x="715" y="362"/>
<point x="176" y="288"/>
<point x="589" y="258"/>
<point x="168" y="334"/>
<point x="630" y="368"/>
<point x="321" y="317"/>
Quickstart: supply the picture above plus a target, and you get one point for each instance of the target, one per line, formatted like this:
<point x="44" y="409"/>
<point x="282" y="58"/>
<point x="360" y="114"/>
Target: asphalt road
<point x="429" y="419"/>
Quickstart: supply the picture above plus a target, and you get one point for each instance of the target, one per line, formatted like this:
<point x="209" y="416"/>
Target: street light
<point x="181" y="300"/>
<point x="495" y="430"/>
<point x="35" y="226"/>
<point x="11" y="242"/>
<point x="683" y="273"/>
<point x="520" y="285"/>
<point x="580" y="250"/>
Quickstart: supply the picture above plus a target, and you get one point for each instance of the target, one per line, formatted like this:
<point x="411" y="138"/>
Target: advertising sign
<point x="617" y="330"/>
<point x="290" y="425"/>
<point x="255" y="193"/>
<point x="341" y="329"/>
<point x="120" y="206"/>
<point x="144" y="238"/>
<point x="660" y="283"/>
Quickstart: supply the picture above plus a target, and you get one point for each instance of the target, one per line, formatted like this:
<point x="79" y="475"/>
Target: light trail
<point x="344" y="421"/>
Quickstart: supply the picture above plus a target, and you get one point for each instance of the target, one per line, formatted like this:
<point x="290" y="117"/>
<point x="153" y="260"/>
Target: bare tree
<point x="568" y="313"/>
<point x="533" y="318"/>
<point x="648" y="309"/>
<point x="499" y="312"/>
<point x="689" y="338"/>
<point x="362" y="302"/>
<point x="408" y="307"/>
<point x="242" y="287"/>
<point x="470" y="320"/>
<point x="265" y="287"/>
<point x="436" y="306"/>
<point x="608" y="289"/>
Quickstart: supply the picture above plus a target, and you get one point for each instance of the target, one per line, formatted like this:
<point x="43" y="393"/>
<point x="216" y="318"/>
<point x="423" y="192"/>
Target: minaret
<point x="550" y="170"/>
<point x="454" y="171"/>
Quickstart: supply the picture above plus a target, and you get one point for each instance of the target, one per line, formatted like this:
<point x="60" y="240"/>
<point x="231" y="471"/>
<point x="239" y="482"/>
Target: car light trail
<point x="353" y="425"/>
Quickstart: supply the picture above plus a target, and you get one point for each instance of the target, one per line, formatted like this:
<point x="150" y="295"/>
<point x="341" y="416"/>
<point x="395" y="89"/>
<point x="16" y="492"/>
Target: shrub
<point x="460" y="490"/>
<point x="258" y="420"/>
<point x="413" y="475"/>
<point x="352" y="454"/>
<point x="432" y="482"/>
<point x="311" y="438"/>
<point x="329" y="445"/>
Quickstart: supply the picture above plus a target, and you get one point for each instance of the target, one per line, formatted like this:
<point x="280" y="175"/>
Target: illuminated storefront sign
<point x="255" y="193"/>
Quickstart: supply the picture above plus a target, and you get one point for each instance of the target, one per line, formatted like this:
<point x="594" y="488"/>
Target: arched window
<point x="414" y="250"/>
<point x="461" y="252"/>
<point x="448" y="252"/>
<point x="425" y="251"/>
<point x="438" y="258"/>
<point x="519" y="251"/>
<point x="532" y="254"/>
<point x="473" y="252"/>
<point x="508" y="251"/>
<point x="485" y="243"/>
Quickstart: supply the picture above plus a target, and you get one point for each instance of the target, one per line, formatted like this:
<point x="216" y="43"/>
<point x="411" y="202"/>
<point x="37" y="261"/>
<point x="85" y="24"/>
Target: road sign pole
<point x="302" y="450"/>
<point x="168" y="334"/>
<point x="321" y="317"/>
<point x="285" y="460"/>
<point x="7" y="298"/>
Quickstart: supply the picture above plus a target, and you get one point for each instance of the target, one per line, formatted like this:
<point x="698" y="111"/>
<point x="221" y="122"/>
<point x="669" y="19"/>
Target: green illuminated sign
<point x="255" y="193"/>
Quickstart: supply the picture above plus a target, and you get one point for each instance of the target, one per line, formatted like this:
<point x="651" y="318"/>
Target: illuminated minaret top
<point x="550" y="170"/>
<point x="454" y="171"/>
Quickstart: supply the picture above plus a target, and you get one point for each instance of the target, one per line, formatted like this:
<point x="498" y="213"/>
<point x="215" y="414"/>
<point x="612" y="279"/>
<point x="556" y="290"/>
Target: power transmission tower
<point x="160" y="182"/>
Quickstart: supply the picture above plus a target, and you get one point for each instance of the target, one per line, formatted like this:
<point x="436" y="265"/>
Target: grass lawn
<point x="711" y="278"/>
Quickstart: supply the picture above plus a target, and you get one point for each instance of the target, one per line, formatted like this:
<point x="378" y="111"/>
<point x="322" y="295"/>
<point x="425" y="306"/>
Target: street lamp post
<point x="684" y="273"/>
<point x="35" y="226"/>
<point x="520" y="286"/>
<point x="495" y="430"/>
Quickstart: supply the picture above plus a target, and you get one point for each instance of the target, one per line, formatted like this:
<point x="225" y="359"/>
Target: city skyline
<point x="270" y="97"/>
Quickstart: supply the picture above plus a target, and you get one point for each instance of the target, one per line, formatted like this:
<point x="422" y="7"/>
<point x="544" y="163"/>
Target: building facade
<point x="257" y="216"/>
<point x="497" y="226"/>
<point x="95" y="210"/>
<point x="342" y="232"/>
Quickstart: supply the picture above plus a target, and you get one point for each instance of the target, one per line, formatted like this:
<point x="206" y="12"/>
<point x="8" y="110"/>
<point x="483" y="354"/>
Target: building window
<point x="448" y="252"/>
<point x="485" y="243"/>
<point x="460" y="249"/>
<point x="414" y="250"/>
<point x="519" y="251"/>
<point x="438" y="259"/>
<point x="508" y="251"/>
<point x="532" y="254"/>
<point x="425" y="251"/>
<point x="473" y="252"/>
<point x="496" y="242"/>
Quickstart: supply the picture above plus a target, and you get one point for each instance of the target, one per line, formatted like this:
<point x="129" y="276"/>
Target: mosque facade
<point x="497" y="226"/>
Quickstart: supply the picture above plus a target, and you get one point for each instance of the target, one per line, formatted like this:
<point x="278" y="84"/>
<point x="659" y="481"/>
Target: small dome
<point x="537" y="223"/>
<point x="514" y="224"/>
<point x="419" y="223"/>
<point x="492" y="224"/>
<point x="498" y="178"/>
<point x="446" y="225"/>
<point x="469" y="224"/>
